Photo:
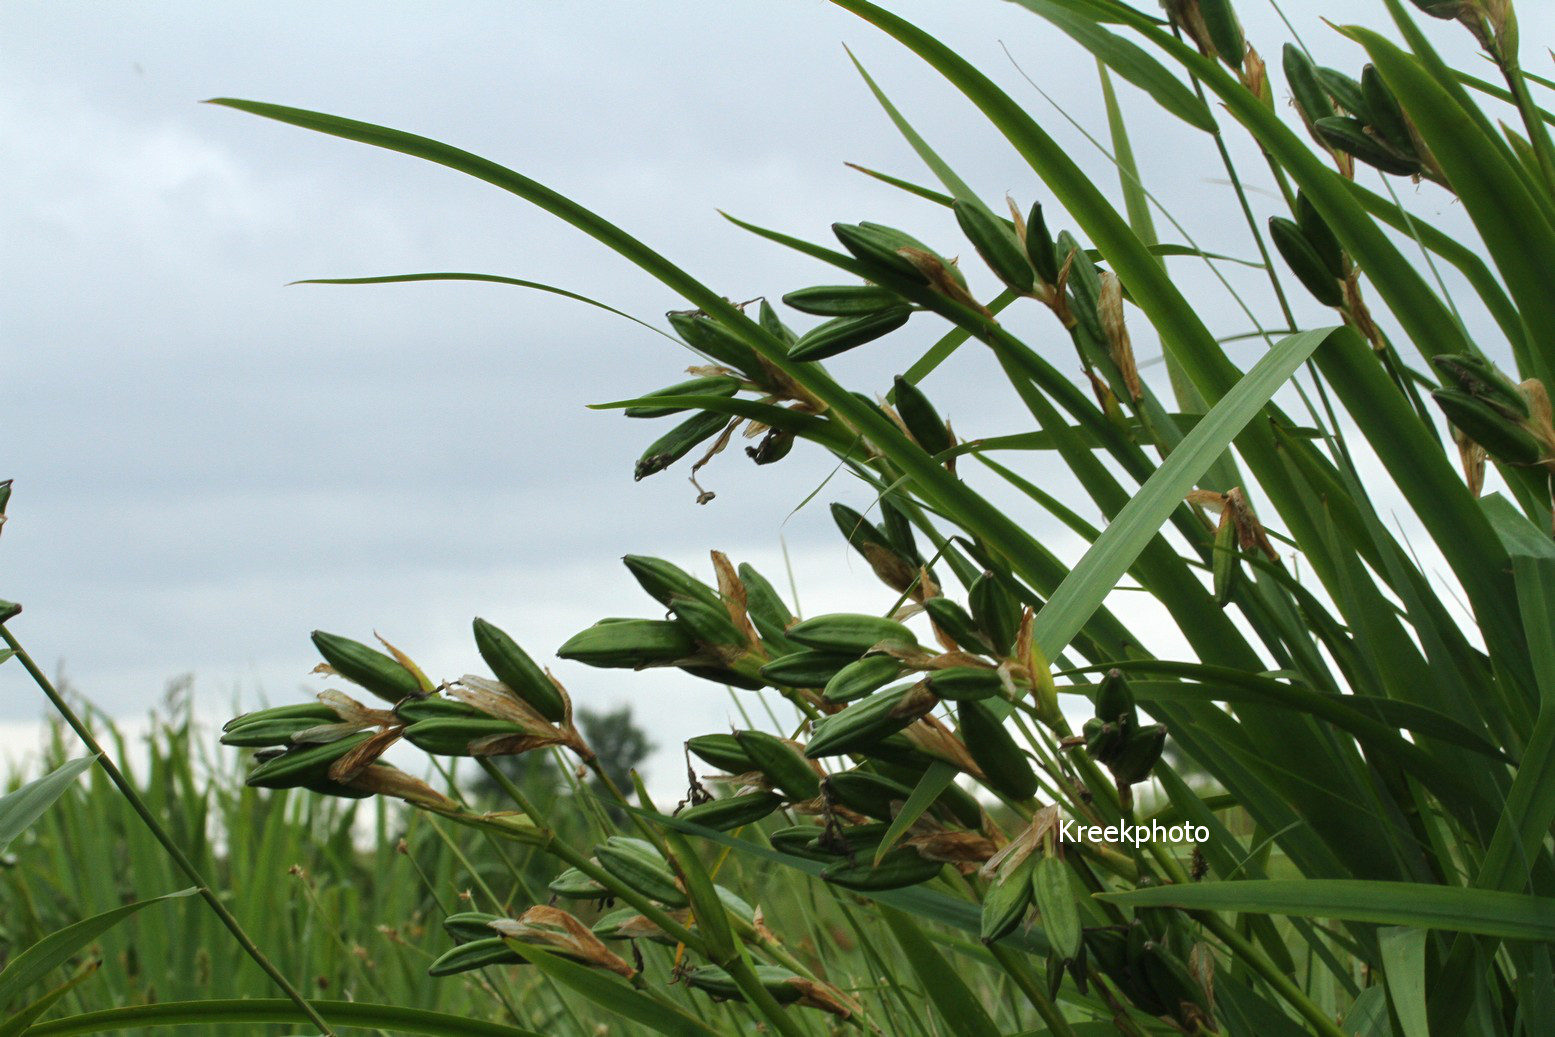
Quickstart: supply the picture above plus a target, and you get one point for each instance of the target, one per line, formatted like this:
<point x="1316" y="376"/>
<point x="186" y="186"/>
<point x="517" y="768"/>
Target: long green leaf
<point x="962" y="1013"/>
<point x="21" y="808"/>
<point x="1512" y="916"/>
<point x="57" y="948"/>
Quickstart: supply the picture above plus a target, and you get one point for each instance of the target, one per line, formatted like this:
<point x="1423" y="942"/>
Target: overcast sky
<point x="209" y="464"/>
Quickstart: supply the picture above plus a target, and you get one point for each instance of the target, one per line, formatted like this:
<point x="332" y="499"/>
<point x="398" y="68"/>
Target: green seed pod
<point x="636" y="864"/>
<point x="1225" y="31"/>
<point x="877" y="245"/>
<point x="678" y="442"/>
<point x="1040" y="248"/>
<point x="614" y="926"/>
<point x="861" y="677"/>
<point x="841" y="334"/>
<point x="712" y="339"/>
<point x="774" y="446"/>
<point x="895" y="569"/>
<point x="773" y="325"/>
<point x="724" y="675"/>
<point x="1483" y="380"/>
<point x="996" y="242"/>
<point x="954" y="622"/>
<point x="432" y="707"/>
<point x="448" y="736"/>
<point x="920" y="417"/>
<point x="897" y="528"/>
<point x="782" y="764"/>
<point x="1007" y="901"/>
<point x="1056" y="902"/>
<point x="270" y="732"/>
<point x="378" y="673"/>
<point x="777" y="981"/>
<point x="1004" y="766"/>
<point x="965" y="683"/>
<point x="572" y="884"/>
<point x="897" y="870"/>
<point x="1503" y="438"/>
<point x="665" y="580"/>
<point x="995" y="611"/>
<point x="954" y="804"/>
<point x="301" y="764"/>
<point x="1346" y="92"/>
<point x="850" y="840"/>
<point x="872" y="795"/>
<point x="1139" y="755"/>
<point x="850" y="300"/>
<point x="1103" y="739"/>
<point x="1350" y="136"/>
<point x="806" y="668"/>
<point x="868" y="721"/>
<point x="477" y="954"/>
<point x="1226" y="562"/>
<point x="849" y="633"/>
<point x="708" y="624"/>
<point x="767" y="611"/>
<point x="1320" y="236"/>
<point x="1310" y="97"/>
<point x="1383" y="114"/>
<point x="470" y="925"/>
<point x="796" y="841"/>
<point x="720" y="750"/>
<point x="1115" y="699"/>
<point x="713" y="385"/>
<point x="1305" y="262"/>
<point x="1084" y="288"/>
<point x="733" y="812"/>
<point x="511" y="665"/>
<point x="629" y="644"/>
<point x="313" y="712"/>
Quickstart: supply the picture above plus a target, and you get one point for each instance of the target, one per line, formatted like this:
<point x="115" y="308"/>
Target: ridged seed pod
<point x="869" y="721"/>
<point x="678" y="442"/>
<point x="431" y="708"/>
<point x="1304" y="262"/>
<point x="720" y="750"/>
<point x="450" y="736"/>
<point x="1301" y="76"/>
<point x="477" y="954"/>
<point x="841" y="334"/>
<point x="470" y="925"/>
<point x="511" y="665"/>
<point x="995" y="240"/>
<point x="1350" y="136"/>
<point x="1115" y="699"/>
<point x="1383" y="113"/>
<point x="666" y="580"/>
<point x="920" y="417"/>
<point x="1007" y="901"/>
<point x="1320" y="236"/>
<point x="1345" y="91"/>
<point x="301" y="764"/>
<point x="378" y="673"/>
<point x="872" y="795"/>
<point x="1005" y="768"/>
<point x="629" y="644"/>
<point x="806" y="668"/>
<point x="573" y="884"/>
<point x="965" y="683"/>
<point x="638" y="865"/>
<point x="1139" y="755"/>
<point x="878" y="245"/>
<point x="1483" y="380"/>
<point x="709" y="337"/>
<point x="995" y="611"/>
<point x="851" y="300"/>
<point x="732" y="812"/>
<point x="862" y="677"/>
<point x="849" y="633"/>
<point x="1225" y="31"/>
<point x="782" y="764"/>
<point x="713" y="385"/>
<point x="1226" y="563"/>
<point x="1056" y="902"/>
<point x="1040" y="248"/>
<point x="1504" y="438"/>
<point x="954" y="622"/>
<point x="765" y="606"/>
<point x="898" y="869"/>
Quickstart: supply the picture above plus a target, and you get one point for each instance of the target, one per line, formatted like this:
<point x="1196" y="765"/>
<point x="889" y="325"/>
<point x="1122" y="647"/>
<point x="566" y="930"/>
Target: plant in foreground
<point x="1372" y="850"/>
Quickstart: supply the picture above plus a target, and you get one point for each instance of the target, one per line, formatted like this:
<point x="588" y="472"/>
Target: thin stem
<point x="180" y="859"/>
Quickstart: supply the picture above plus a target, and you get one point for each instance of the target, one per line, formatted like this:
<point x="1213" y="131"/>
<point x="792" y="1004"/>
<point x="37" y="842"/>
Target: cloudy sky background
<point x="209" y="464"/>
